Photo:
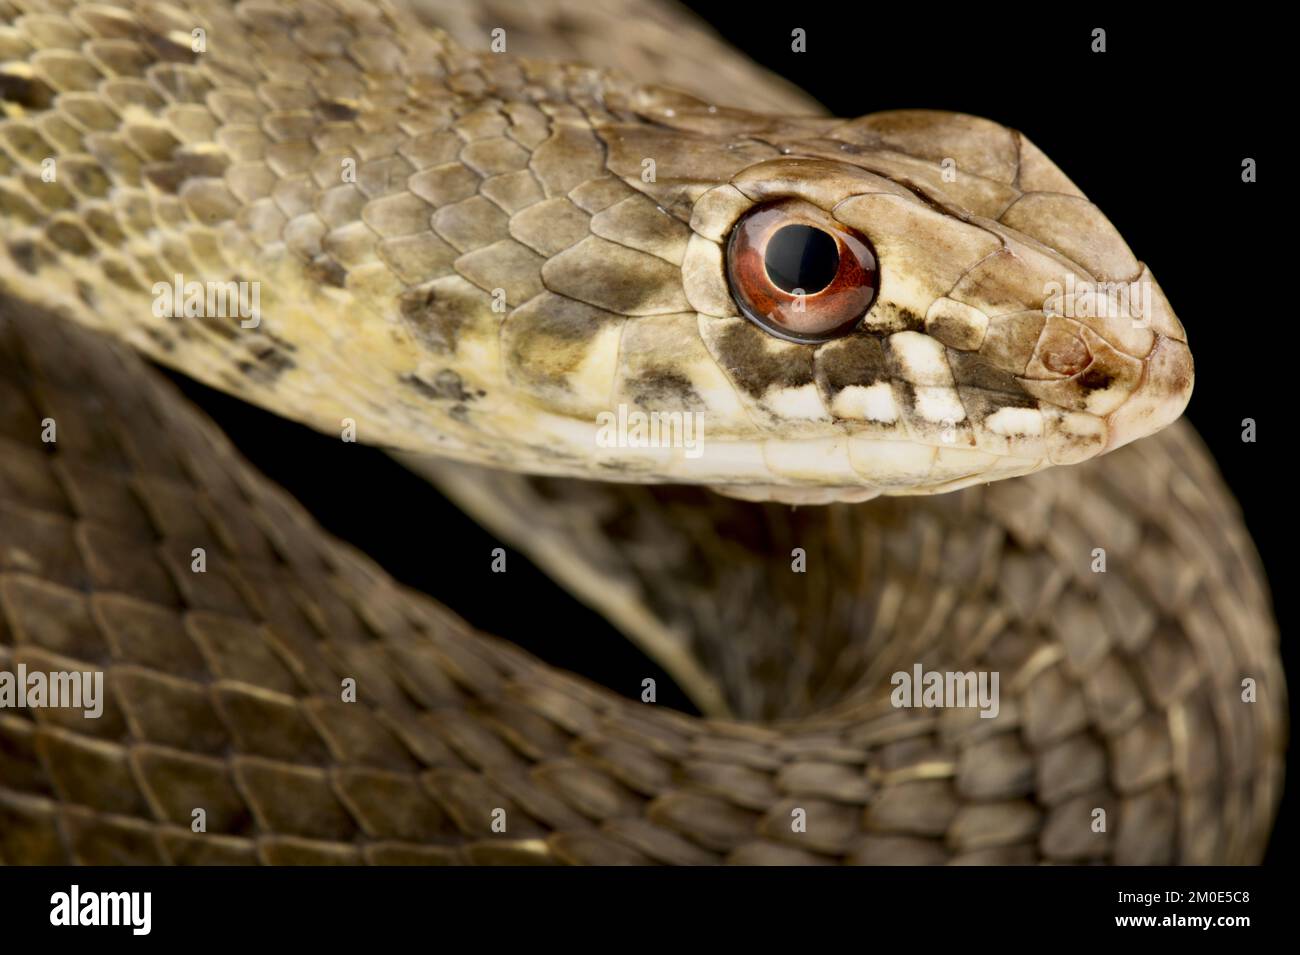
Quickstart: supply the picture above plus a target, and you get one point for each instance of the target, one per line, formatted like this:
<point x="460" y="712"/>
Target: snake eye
<point x="798" y="273"/>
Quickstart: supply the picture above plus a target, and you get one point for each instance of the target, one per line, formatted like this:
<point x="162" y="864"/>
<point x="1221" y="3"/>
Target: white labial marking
<point x="940" y="405"/>
<point x="866" y="403"/>
<point x="716" y="392"/>
<point x="921" y="358"/>
<point x="1073" y="436"/>
<point x="803" y="403"/>
<point x="1015" y="422"/>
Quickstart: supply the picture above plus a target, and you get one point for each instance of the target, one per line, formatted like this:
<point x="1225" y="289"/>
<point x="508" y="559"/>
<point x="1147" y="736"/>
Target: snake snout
<point x="1160" y="397"/>
<point x="1114" y="352"/>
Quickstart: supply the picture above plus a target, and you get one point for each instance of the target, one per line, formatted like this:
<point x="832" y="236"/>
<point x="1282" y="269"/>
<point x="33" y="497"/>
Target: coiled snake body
<point x="466" y="256"/>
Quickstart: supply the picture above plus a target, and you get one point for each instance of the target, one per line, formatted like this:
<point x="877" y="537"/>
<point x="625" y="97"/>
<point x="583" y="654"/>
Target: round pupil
<point x="801" y="257"/>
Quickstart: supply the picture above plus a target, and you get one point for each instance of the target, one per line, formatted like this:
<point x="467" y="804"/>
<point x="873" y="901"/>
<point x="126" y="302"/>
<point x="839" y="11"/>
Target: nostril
<point x="1062" y="353"/>
<point x="1066" y="357"/>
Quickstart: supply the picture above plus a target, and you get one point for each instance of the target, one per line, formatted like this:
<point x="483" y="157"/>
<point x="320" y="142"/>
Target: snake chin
<point x="779" y="494"/>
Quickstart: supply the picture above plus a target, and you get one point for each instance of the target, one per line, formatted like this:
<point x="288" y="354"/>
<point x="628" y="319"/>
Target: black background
<point x="1154" y="131"/>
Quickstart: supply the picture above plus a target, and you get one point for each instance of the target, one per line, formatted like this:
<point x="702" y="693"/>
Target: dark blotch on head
<point x="886" y="318"/>
<point x="665" y="391"/>
<point x="984" y="389"/>
<point x="744" y="356"/>
<point x="856" y="360"/>
<point x="969" y="370"/>
<point x="1095" y="379"/>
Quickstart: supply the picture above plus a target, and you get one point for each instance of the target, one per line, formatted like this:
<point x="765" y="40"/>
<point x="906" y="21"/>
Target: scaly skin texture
<point x="468" y="253"/>
<point x="1120" y="691"/>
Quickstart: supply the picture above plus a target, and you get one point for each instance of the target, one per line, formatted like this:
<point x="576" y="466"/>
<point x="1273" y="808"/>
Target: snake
<point x="473" y="235"/>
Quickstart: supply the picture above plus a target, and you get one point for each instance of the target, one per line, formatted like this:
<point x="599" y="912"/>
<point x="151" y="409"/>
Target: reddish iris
<point x="800" y="274"/>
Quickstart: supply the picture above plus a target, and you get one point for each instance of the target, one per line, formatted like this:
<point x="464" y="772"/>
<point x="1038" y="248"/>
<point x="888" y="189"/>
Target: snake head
<point x="969" y="314"/>
<point x="557" y="270"/>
